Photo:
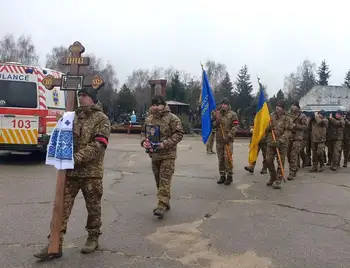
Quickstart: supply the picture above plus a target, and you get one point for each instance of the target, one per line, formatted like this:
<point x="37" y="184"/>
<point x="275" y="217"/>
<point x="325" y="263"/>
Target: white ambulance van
<point x="28" y="111"/>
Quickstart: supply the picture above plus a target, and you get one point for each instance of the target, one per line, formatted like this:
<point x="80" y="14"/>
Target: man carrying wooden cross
<point x="91" y="130"/>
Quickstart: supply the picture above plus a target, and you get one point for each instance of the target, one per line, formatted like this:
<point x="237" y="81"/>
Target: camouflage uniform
<point x="295" y="142"/>
<point x="210" y="142"/>
<point x="336" y="140"/>
<point x="281" y="125"/>
<point x="91" y="131"/>
<point x="228" y="120"/>
<point x="262" y="145"/>
<point x="346" y="141"/>
<point x="163" y="160"/>
<point x="318" y="140"/>
<point x="305" y="152"/>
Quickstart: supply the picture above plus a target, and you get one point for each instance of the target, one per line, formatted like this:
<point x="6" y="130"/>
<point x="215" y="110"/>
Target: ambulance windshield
<point x="18" y="94"/>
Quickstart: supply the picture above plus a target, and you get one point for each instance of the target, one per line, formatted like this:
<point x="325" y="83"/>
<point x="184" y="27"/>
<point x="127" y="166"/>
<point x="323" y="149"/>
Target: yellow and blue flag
<point x="261" y="122"/>
<point x="207" y="106"/>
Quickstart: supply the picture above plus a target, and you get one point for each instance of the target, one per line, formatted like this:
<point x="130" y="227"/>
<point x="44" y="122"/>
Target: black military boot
<point x="314" y="168"/>
<point x="159" y="212"/>
<point x="291" y="176"/>
<point x="250" y="169"/>
<point x="263" y="170"/>
<point x="229" y="179"/>
<point x="45" y="255"/>
<point x="90" y="246"/>
<point x="272" y="179"/>
<point x="221" y="180"/>
<point x="277" y="184"/>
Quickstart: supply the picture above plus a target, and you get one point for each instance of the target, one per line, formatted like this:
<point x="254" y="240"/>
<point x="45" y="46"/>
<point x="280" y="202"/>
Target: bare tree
<point x="216" y="73"/>
<point x="22" y="50"/>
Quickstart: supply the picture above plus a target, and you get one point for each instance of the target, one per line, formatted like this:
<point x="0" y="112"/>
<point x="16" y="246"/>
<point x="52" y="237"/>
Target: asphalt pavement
<point x="244" y="225"/>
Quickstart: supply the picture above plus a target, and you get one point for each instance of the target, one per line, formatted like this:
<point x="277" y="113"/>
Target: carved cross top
<point x="75" y="79"/>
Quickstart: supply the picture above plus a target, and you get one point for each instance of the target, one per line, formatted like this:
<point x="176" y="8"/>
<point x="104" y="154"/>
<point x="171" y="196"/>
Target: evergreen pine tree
<point x="347" y="80"/>
<point x="323" y="73"/>
<point x="243" y="100"/>
<point x="224" y="89"/>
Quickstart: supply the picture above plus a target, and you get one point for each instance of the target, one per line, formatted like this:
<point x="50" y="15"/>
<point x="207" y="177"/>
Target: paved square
<point x="246" y="224"/>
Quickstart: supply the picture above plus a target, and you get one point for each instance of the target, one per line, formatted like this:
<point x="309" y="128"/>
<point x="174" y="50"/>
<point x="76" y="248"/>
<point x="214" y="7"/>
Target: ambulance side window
<point x="18" y="94"/>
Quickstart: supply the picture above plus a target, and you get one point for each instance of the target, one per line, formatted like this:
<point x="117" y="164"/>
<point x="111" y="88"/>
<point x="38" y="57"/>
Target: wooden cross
<point x="73" y="81"/>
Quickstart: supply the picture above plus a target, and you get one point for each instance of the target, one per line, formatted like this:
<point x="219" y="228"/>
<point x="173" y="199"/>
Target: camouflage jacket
<point x="336" y="128"/>
<point x="307" y="133"/>
<point x="347" y="129"/>
<point x="282" y="128"/>
<point x="319" y="129"/>
<point x="299" y="126"/>
<point x="91" y="131"/>
<point x="229" y="122"/>
<point x="171" y="132"/>
<point x="213" y="120"/>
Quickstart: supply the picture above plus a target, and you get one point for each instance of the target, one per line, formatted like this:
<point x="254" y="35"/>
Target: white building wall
<point x="337" y="95"/>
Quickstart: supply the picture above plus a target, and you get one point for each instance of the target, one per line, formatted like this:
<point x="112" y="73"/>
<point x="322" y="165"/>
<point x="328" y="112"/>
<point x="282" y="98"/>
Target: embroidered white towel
<point x="60" y="149"/>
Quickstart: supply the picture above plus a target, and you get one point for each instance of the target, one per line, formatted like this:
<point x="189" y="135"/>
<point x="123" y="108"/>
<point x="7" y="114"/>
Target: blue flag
<point x="207" y="106"/>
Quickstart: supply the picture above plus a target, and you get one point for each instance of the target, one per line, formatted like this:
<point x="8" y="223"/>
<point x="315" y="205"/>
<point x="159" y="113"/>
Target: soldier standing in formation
<point x="281" y="124"/>
<point x="346" y="141"/>
<point x="210" y="142"/>
<point x="91" y="130"/>
<point x="336" y="133"/>
<point x="305" y="153"/>
<point x="318" y="140"/>
<point x="262" y="145"/>
<point x="163" y="156"/>
<point x="227" y="120"/>
<point x="299" y="126"/>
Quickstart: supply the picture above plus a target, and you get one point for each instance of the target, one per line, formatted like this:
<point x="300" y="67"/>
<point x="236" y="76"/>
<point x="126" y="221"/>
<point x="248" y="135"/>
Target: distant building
<point x="326" y="95"/>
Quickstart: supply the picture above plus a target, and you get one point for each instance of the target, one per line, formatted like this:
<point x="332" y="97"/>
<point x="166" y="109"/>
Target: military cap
<point x="92" y="93"/>
<point x="281" y="104"/>
<point x="225" y="101"/>
<point x="158" y="100"/>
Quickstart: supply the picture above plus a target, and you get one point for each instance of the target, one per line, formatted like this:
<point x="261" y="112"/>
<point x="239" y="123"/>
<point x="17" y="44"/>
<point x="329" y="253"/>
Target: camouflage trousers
<point x="305" y="152"/>
<point x="293" y="155"/>
<point x="210" y="142"/>
<point x="223" y="160"/>
<point x="334" y="152"/>
<point x="271" y="154"/>
<point x="318" y="149"/>
<point x="163" y="171"/>
<point x="346" y="150"/>
<point x="92" y="189"/>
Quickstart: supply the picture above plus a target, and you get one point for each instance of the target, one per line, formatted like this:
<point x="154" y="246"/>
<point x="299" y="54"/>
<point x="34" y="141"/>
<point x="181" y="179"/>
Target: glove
<point x="275" y="144"/>
<point x="270" y="127"/>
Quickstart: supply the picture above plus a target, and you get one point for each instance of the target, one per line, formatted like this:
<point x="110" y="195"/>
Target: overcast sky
<point x="271" y="37"/>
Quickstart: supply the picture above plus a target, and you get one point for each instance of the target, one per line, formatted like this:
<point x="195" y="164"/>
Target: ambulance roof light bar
<point x="13" y="62"/>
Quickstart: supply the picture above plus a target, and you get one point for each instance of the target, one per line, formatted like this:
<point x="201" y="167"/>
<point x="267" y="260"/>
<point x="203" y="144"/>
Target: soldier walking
<point x="336" y="132"/>
<point x="299" y="125"/>
<point x="226" y="119"/>
<point x="91" y="128"/>
<point x="318" y="140"/>
<point x="262" y="145"/>
<point x="305" y="152"/>
<point x="346" y="141"/>
<point x="162" y="148"/>
<point x="210" y="142"/>
<point x="281" y="124"/>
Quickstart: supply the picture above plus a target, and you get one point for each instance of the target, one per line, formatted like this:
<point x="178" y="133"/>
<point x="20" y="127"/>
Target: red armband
<point x="102" y="139"/>
<point x="235" y="122"/>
